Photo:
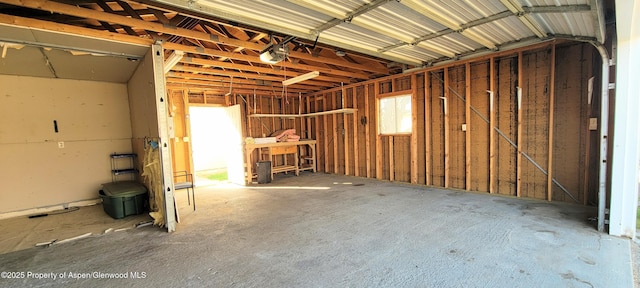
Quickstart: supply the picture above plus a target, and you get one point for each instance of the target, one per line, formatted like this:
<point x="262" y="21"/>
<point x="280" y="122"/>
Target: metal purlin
<point x="505" y="136"/>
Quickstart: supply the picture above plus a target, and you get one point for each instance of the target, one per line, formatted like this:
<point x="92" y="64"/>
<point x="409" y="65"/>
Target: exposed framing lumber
<point x="55" y="7"/>
<point x="247" y="112"/>
<point x="356" y="156"/>
<point x="446" y="127"/>
<point x="334" y="119"/>
<point x="367" y="141"/>
<point x="261" y="109"/>
<point x="552" y="100"/>
<point x="187" y="123"/>
<point x="414" y="129"/>
<point x="70" y="29"/>
<point x="467" y="115"/>
<point x="325" y="122"/>
<point x="519" y="132"/>
<point x="392" y="160"/>
<point x="308" y="120"/>
<point x="376" y="89"/>
<point x="427" y="128"/>
<point x="345" y="124"/>
<point x="330" y="112"/>
<point x="492" y="132"/>
<point x="322" y="80"/>
<point x="273" y="111"/>
<point x="303" y="122"/>
<point x="256" y="59"/>
<point x="395" y="93"/>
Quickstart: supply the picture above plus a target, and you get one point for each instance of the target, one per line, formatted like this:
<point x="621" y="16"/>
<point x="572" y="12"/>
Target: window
<point x="395" y="115"/>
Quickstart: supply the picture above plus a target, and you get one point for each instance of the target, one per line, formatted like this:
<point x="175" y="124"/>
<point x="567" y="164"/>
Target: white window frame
<point x="396" y="121"/>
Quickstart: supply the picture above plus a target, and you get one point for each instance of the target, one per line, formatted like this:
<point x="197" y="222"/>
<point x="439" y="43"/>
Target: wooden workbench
<point x="282" y="148"/>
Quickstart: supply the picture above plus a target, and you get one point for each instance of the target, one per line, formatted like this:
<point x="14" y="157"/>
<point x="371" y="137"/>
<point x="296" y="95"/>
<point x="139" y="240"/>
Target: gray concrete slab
<point x="319" y="230"/>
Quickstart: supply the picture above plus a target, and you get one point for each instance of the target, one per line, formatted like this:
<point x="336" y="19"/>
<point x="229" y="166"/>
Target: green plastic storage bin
<point x="123" y="198"/>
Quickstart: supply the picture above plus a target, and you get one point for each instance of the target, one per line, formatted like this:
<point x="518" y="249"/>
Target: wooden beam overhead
<point x="77" y="11"/>
<point x="280" y="72"/>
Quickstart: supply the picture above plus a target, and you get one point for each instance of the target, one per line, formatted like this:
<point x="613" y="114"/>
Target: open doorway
<point x="215" y="144"/>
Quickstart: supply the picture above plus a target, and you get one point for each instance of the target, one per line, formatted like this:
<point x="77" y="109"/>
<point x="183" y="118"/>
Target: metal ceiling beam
<point x="363" y="9"/>
<point x="418" y="7"/>
<point x="517" y="10"/>
<point x="556" y="9"/>
<point x="495" y="17"/>
<point x="339" y="18"/>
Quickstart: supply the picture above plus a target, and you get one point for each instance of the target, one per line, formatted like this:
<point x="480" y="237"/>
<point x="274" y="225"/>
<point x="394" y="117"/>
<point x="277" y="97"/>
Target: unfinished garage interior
<point x="421" y="140"/>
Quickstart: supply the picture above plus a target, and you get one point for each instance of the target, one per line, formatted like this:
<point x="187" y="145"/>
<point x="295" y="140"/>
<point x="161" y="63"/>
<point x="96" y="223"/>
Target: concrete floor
<point x="320" y="230"/>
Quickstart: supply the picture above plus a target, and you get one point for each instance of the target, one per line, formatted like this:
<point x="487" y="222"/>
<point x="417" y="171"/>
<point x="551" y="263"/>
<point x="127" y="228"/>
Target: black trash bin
<point x="263" y="168"/>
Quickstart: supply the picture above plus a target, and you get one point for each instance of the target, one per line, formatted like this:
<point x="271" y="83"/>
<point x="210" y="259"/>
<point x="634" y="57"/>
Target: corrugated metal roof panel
<point x="340" y="7"/>
<point x="414" y="52"/>
<point x="503" y="30"/>
<point x="358" y="36"/>
<point x="281" y="13"/>
<point x="532" y="3"/>
<point x="399" y="23"/>
<point x="462" y="11"/>
<point x="404" y="22"/>
<point x="456" y="43"/>
<point x="575" y="24"/>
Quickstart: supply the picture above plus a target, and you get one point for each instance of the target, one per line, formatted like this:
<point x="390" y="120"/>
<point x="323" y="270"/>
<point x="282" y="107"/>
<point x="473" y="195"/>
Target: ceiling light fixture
<point x="300" y="78"/>
<point x="172" y="60"/>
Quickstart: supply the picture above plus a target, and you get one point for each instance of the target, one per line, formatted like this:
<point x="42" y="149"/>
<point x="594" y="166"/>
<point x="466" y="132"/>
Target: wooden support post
<point x="519" y="136"/>
<point x="247" y="118"/>
<point x="261" y="124"/>
<point x="427" y="128"/>
<point x="345" y="135"/>
<point x="492" y="130"/>
<point x="445" y="99"/>
<point x="467" y="115"/>
<point x="367" y="136"/>
<point x="552" y="100"/>
<point x="187" y="124"/>
<point x="316" y="121"/>
<point x="334" y="119"/>
<point x="325" y="133"/>
<point x="356" y="156"/>
<point x="308" y="119"/>
<point x="303" y="122"/>
<point x="414" y="129"/>
<point x="392" y="164"/>
<point x="273" y="120"/>
<point x="376" y="90"/>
